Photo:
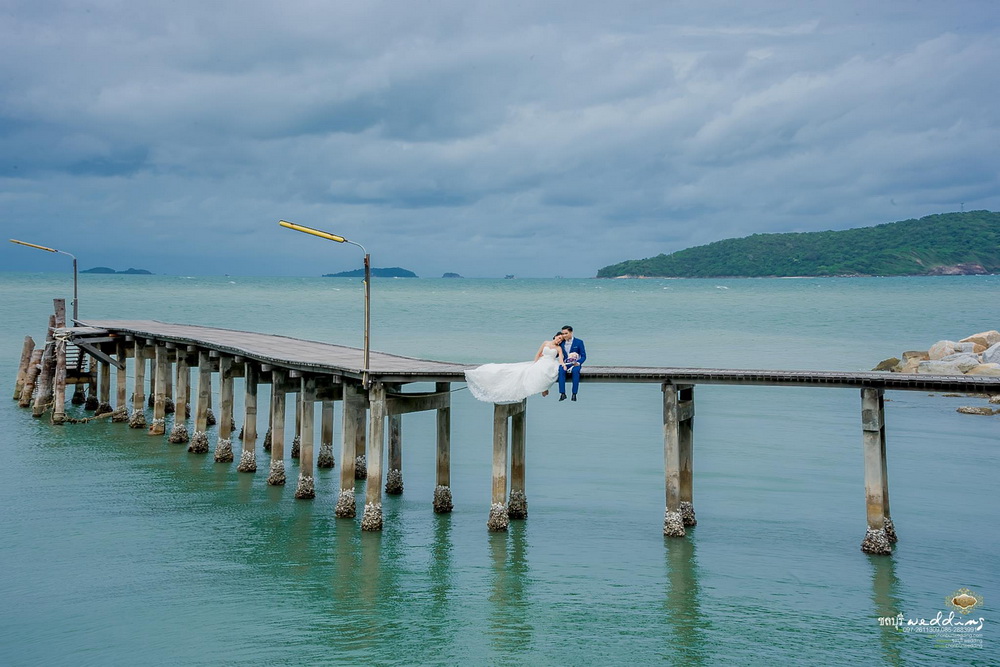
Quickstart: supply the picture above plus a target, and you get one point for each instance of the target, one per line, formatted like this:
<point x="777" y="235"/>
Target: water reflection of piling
<point x="887" y="602"/>
<point x="369" y="621"/>
<point x="511" y="630"/>
<point x="440" y="564"/>
<point x="681" y="605"/>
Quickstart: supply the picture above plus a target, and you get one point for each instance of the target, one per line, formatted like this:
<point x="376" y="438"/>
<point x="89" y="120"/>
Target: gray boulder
<point x="891" y="364"/>
<point x="984" y="338"/>
<point x="992" y="354"/>
<point x="911" y="359"/>
<point x="963" y="361"/>
<point x="940" y="349"/>
<point x="985" y="369"/>
<point x="935" y="367"/>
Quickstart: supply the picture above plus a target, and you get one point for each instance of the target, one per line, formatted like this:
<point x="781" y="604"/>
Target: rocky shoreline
<point x="978" y="354"/>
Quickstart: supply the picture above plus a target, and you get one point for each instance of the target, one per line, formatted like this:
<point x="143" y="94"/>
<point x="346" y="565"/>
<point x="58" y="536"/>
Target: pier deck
<point x="165" y="355"/>
<point x="317" y="357"/>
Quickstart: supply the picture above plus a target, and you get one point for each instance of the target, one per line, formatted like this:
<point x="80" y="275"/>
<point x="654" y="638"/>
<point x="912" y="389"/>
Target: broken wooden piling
<point x="22" y="367"/>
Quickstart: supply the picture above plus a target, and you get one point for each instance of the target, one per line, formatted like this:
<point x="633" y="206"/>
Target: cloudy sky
<point x="484" y="138"/>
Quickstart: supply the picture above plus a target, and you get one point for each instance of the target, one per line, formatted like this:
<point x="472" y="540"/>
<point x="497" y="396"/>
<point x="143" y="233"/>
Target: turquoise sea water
<point x="118" y="548"/>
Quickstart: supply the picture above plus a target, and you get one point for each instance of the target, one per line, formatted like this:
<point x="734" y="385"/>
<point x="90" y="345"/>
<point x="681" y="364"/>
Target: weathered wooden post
<point x="34" y="368"/>
<point x="46" y="389"/>
<point x="138" y="417"/>
<point x="224" y="445"/>
<point x="187" y="397"/>
<point x="371" y="520"/>
<point x="673" y="523"/>
<point x="307" y="483"/>
<point x="168" y="393"/>
<point x="442" y="489"/>
<point x="881" y="533"/>
<point x="276" y="474"/>
<point x="211" y="421"/>
<point x="394" y="477"/>
<point x="92" y="402"/>
<point x="248" y="457"/>
<point x="79" y="363"/>
<point x="152" y="379"/>
<point x="199" y="442"/>
<point x="297" y="438"/>
<point x="120" y="413"/>
<point x="159" y="424"/>
<point x="517" y="504"/>
<point x="325" y="458"/>
<point x="360" y="446"/>
<point x="266" y="372"/>
<point x="22" y="367"/>
<point x="59" y="390"/>
<point x="43" y="394"/>
<point x="351" y="422"/>
<point x="499" y="518"/>
<point x="685" y="447"/>
<point x="172" y="397"/>
<point x="104" y="388"/>
<point x="179" y="433"/>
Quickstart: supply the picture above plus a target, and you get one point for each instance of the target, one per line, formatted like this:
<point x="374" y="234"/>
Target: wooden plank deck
<point x="327" y="358"/>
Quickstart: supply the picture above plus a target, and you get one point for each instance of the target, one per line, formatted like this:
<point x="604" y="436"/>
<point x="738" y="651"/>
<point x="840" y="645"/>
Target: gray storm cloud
<point x="471" y="137"/>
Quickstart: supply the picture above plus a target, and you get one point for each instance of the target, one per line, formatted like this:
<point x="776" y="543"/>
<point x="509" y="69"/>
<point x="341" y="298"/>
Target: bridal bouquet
<point x="572" y="359"/>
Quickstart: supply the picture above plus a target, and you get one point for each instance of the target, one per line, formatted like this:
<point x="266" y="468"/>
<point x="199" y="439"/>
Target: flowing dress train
<point x="511" y="383"/>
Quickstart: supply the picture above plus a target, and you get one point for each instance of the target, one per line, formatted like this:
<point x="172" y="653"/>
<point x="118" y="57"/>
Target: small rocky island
<point x="129" y="271"/>
<point x="393" y="272"/>
<point x="451" y="275"/>
<point x="978" y="354"/>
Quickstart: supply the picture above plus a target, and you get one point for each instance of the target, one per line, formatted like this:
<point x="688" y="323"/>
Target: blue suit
<point x="576" y="346"/>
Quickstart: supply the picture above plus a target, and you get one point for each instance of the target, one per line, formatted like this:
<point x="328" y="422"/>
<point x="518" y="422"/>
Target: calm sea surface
<point x="119" y="548"/>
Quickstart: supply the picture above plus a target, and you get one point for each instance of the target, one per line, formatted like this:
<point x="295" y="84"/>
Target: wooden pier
<point x="326" y="373"/>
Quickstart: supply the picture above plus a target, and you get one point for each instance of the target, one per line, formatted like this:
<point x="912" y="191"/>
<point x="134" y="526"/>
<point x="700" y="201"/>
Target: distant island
<point x="946" y="244"/>
<point x="451" y="275"/>
<point x="131" y="272"/>
<point x="394" y="272"/>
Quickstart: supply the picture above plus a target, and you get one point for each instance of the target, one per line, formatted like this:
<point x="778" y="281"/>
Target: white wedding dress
<point x="511" y="383"/>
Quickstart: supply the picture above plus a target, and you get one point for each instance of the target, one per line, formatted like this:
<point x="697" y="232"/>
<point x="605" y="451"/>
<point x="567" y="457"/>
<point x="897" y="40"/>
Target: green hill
<point x="949" y="243"/>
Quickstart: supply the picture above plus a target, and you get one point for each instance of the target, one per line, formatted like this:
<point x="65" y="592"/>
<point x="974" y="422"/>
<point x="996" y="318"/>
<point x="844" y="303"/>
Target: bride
<point x="511" y="383"/>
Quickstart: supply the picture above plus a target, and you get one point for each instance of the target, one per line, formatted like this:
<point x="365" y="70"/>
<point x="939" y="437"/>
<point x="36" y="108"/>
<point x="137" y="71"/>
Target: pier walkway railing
<point x="327" y="373"/>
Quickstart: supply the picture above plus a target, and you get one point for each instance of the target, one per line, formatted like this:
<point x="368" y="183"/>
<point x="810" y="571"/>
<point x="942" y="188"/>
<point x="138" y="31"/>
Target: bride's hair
<point x="558" y="333"/>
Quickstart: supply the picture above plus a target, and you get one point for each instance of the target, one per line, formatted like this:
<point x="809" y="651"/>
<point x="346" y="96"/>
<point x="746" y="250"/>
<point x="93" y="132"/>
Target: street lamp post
<point x="76" y="297"/>
<point x="365" y="380"/>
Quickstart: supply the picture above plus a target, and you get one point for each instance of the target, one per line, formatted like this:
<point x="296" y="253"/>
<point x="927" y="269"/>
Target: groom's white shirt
<point x="567" y="346"/>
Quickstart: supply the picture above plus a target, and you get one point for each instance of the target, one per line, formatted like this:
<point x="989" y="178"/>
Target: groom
<point x="570" y="345"/>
